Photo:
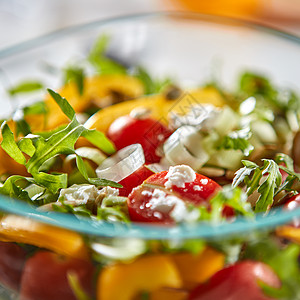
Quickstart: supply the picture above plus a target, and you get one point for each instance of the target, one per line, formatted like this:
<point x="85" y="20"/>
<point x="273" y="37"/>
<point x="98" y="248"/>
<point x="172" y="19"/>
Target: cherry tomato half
<point x="236" y="282"/>
<point x="12" y="260"/>
<point x="148" y="132"/>
<point x="155" y="200"/>
<point x="134" y="179"/>
<point x="45" y="277"/>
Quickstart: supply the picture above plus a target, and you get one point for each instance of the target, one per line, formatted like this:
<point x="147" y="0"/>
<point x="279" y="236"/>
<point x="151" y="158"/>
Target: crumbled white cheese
<point x="86" y="192"/>
<point x="179" y="176"/>
<point x="197" y="188"/>
<point x="109" y="191"/>
<point x="163" y="203"/>
<point x="82" y="192"/>
<point x="204" y="181"/>
<point x="147" y="193"/>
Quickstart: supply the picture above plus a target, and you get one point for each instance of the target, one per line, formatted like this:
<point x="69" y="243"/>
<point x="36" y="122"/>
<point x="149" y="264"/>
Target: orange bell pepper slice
<point x="195" y="269"/>
<point x="24" y="230"/>
<point x="289" y="232"/>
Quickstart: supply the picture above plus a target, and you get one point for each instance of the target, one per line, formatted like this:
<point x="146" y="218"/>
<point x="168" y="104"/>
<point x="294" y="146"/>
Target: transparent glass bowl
<point x="190" y="48"/>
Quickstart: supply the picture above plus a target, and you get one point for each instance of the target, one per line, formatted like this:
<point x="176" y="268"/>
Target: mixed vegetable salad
<point x="117" y="145"/>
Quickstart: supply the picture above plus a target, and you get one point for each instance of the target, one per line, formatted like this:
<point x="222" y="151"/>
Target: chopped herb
<point x="237" y="140"/>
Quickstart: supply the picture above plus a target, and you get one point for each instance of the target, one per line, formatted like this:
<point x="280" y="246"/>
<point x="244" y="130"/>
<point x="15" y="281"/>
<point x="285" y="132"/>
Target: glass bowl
<point x="188" y="47"/>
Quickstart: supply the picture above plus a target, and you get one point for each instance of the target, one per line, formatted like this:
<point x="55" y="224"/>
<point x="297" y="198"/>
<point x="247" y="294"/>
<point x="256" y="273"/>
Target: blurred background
<point x="21" y="20"/>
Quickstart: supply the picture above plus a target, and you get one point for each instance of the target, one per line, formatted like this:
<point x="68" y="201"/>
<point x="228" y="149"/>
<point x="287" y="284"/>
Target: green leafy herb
<point x="10" y="146"/>
<point x="37" y="108"/>
<point x="101" y="62"/>
<point x="237" y="140"/>
<point x="267" y="189"/>
<point x="60" y="142"/>
<point x="71" y="209"/>
<point x="233" y="197"/>
<point x="25" y="87"/>
<point x="75" y="74"/>
<point x="267" y="179"/>
<point x="112" y="214"/>
<point x="228" y="196"/>
<point x="261" y="88"/>
<point x="151" y="86"/>
<point x="14" y="187"/>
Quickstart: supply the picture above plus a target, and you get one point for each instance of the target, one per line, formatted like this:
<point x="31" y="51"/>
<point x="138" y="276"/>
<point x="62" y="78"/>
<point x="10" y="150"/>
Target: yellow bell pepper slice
<point x="289" y="232"/>
<point x="195" y="269"/>
<point x="24" y="230"/>
<point x="96" y="89"/>
<point x="159" y="106"/>
<point x="125" y="281"/>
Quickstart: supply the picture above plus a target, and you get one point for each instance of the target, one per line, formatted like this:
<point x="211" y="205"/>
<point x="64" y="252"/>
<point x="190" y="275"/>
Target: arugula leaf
<point x="244" y="172"/>
<point x="36" y="108"/>
<point x="285" y="159"/>
<point x="237" y="140"/>
<point x="23" y="127"/>
<point x="267" y="189"/>
<point x="60" y="142"/>
<point x="151" y="86"/>
<point x="112" y="214"/>
<point x="25" y="87"/>
<point x="12" y="187"/>
<point x="99" y="140"/>
<point x="75" y="74"/>
<point x="101" y="62"/>
<point x="26" y="146"/>
<point x="64" y="105"/>
<point x="71" y="209"/>
<point x="10" y="146"/>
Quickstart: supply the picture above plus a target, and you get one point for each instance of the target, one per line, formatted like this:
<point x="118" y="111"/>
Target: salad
<point x="119" y="146"/>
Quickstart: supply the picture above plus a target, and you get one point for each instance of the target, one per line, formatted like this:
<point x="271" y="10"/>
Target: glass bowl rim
<point x="146" y="231"/>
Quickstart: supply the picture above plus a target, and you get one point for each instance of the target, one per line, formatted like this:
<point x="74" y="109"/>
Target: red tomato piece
<point x="148" y="132"/>
<point x="196" y="192"/>
<point x="12" y="260"/>
<point x="291" y="204"/>
<point x="45" y="277"/>
<point x="133" y="180"/>
<point x="141" y="209"/>
<point x="236" y="282"/>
